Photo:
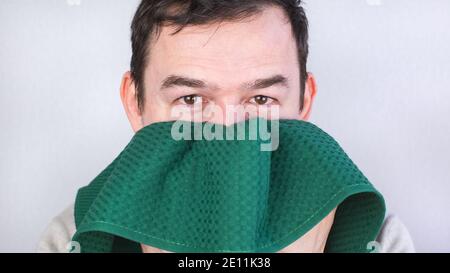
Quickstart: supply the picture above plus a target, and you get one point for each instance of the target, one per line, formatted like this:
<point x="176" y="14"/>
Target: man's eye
<point x="261" y="100"/>
<point x="191" y="100"/>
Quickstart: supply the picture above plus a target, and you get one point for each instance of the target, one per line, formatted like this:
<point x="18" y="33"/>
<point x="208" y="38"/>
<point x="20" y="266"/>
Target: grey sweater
<point x="393" y="237"/>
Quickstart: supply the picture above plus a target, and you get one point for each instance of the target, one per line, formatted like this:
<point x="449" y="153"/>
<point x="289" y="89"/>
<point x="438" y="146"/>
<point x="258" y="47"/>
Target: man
<point x="192" y="54"/>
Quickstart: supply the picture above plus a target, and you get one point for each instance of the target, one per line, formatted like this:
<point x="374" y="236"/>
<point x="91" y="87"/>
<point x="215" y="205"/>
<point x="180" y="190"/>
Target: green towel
<point x="227" y="195"/>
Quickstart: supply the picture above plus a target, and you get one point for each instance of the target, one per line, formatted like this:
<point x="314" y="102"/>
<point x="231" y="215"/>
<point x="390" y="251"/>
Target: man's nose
<point x="226" y="112"/>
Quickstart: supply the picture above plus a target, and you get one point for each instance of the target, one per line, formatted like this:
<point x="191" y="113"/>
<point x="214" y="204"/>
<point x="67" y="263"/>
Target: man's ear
<point x="308" y="98"/>
<point x="129" y="101"/>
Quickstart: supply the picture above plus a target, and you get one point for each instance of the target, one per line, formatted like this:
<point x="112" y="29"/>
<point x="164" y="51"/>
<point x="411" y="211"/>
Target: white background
<point x="383" y="70"/>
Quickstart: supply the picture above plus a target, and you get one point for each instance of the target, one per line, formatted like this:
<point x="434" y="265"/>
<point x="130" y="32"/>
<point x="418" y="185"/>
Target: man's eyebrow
<point x="266" y="82"/>
<point x="176" y="80"/>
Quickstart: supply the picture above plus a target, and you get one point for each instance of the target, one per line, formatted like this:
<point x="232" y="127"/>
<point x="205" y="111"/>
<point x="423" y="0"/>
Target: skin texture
<point x="226" y="57"/>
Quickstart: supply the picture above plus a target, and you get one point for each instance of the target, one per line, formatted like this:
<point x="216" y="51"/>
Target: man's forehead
<point x="264" y="37"/>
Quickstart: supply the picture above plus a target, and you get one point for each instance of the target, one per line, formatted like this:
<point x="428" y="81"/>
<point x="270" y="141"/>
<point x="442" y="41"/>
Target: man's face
<point x="252" y="63"/>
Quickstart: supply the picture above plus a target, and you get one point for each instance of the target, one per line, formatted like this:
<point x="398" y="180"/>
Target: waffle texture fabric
<point x="227" y="195"/>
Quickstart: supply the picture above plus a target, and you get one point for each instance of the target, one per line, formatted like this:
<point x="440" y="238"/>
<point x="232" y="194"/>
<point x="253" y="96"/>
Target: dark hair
<point x="151" y="15"/>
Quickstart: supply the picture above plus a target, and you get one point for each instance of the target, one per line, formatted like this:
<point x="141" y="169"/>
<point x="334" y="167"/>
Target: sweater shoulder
<point x="394" y="237"/>
<point x="58" y="233"/>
